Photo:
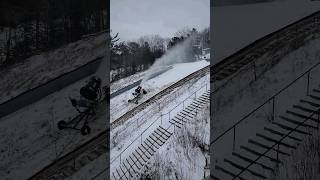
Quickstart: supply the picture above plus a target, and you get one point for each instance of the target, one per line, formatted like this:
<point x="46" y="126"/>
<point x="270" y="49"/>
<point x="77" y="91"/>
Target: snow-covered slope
<point x="119" y="105"/>
<point x="39" y="69"/>
<point x="235" y="27"/>
<point x="30" y="139"/>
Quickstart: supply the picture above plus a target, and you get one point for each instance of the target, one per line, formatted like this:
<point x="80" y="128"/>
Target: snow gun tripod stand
<point x="86" y="107"/>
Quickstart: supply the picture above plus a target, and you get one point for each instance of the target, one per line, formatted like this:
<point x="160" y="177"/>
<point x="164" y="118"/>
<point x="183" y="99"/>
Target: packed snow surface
<point x="119" y="105"/>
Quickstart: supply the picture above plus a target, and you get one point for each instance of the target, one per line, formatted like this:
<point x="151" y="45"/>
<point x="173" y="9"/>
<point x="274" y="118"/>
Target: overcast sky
<point x="135" y="18"/>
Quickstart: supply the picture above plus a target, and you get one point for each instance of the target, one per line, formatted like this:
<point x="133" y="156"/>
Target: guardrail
<point x="271" y="99"/>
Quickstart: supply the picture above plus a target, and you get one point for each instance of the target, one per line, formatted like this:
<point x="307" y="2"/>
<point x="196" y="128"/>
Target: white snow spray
<point x="180" y="53"/>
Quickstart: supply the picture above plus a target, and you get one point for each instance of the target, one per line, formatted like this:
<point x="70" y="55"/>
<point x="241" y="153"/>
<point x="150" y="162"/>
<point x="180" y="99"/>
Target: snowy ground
<point x="235" y="27"/>
<point x="29" y="138"/>
<point x="115" y="86"/>
<point x="234" y="102"/>
<point x="304" y="164"/>
<point x="183" y="157"/>
<point x="119" y="105"/>
<point x="143" y="123"/>
<point x="39" y="69"/>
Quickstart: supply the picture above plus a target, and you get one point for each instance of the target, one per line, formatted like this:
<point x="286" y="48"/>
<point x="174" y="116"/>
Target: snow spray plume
<point x="181" y="53"/>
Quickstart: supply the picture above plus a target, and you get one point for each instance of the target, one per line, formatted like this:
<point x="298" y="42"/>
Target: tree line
<point x="131" y="57"/>
<point x="30" y="27"/>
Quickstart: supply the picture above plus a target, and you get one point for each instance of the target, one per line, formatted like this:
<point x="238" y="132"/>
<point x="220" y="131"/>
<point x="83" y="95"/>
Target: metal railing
<point x="272" y="98"/>
<point x="160" y="119"/>
<point x="278" y="143"/>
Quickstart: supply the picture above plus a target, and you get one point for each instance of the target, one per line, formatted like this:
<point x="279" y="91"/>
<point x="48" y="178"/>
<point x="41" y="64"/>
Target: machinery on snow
<point x="90" y="96"/>
<point x="137" y="94"/>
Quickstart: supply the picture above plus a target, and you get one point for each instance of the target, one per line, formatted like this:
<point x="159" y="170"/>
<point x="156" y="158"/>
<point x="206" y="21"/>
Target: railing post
<point x="273" y="107"/>
<point x="278" y="154"/>
<point x="308" y="83"/>
<point x="234" y="138"/>
<point x="120" y="158"/>
<point x="318" y="120"/>
<point x="141" y="138"/>
<point x="254" y="70"/>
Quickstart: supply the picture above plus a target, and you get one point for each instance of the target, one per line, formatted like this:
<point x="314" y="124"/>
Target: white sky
<point x="136" y="18"/>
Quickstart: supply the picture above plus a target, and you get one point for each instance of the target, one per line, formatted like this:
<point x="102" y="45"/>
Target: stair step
<point x="279" y="133"/>
<point x="227" y="173"/>
<point x="302" y="116"/>
<point x="140" y="156"/>
<point x="316" y="90"/>
<point x="144" y="153"/>
<point x="176" y="121"/>
<point x="287" y="127"/>
<point x="310" y="103"/>
<point x="219" y="175"/>
<point x="147" y="146"/>
<point x="314" y="97"/>
<point x="157" y="137"/>
<point x="181" y="118"/>
<point x="132" y="166"/>
<point x="128" y="169"/>
<point x="305" y="109"/>
<point x="135" y="162"/>
<point x="189" y="112"/>
<point x="164" y="130"/>
<point x="167" y="136"/>
<point x="125" y="174"/>
<point x="295" y="122"/>
<point x="287" y="139"/>
<point x="257" y="153"/>
<point x="241" y="168"/>
<point x="164" y="137"/>
<point x="195" y="107"/>
<point x="266" y="146"/>
<point x="175" y="124"/>
<point x="247" y="160"/>
<point x="276" y="141"/>
<point x="186" y="115"/>
<point x="151" y="143"/>
<point x="155" y="141"/>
